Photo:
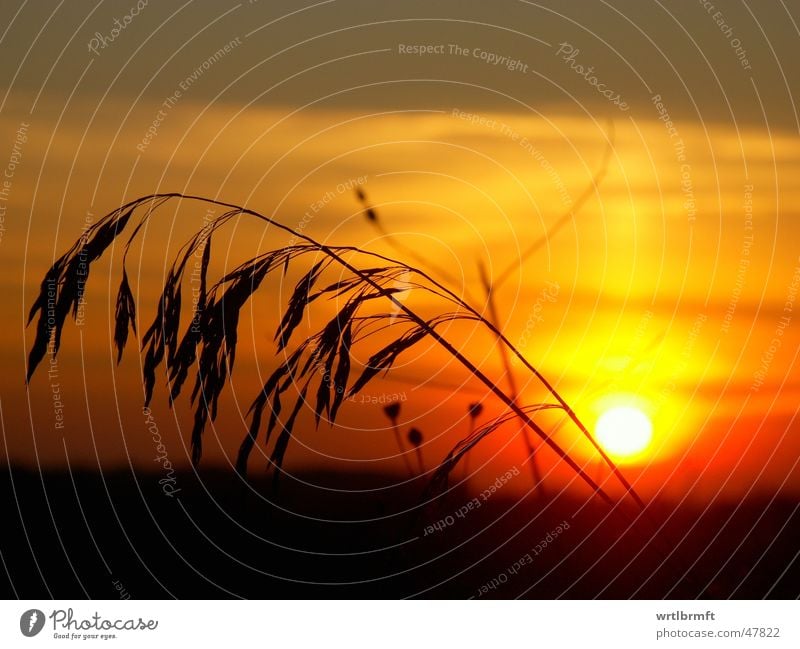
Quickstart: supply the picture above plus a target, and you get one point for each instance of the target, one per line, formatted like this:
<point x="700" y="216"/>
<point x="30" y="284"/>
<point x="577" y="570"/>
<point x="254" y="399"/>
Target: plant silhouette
<point x="491" y="285"/>
<point x="319" y="366"/>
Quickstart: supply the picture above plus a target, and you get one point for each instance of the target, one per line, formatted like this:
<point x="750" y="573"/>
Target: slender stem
<point x="444" y="343"/>
<point x="420" y="460"/>
<point x="502" y="277"/>
<point x="568" y="215"/>
<point x="455" y="353"/>
<point x="563" y="220"/>
<point x="406" y="250"/>
<point x="494" y="318"/>
<point x="540" y="377"/>
<point x="466" y="455"/>
<point x="399" y="439"/>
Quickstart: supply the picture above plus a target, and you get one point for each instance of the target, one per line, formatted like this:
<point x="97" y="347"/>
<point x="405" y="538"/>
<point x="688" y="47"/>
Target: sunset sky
<point x="674" y="287"/>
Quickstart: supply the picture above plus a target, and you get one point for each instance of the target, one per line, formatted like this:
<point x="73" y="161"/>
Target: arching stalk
<point x="105" y="231"/>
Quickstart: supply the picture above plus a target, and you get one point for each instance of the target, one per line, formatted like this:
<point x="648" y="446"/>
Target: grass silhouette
<point x="319" y="366"/>
<point x="491" y="285"/>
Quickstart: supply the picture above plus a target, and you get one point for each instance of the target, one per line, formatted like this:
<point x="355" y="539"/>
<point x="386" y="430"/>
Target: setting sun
<point x="624" y="432"/>
<point x="317" y="301"/>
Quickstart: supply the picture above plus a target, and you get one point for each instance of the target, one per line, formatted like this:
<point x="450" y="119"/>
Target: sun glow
<point x="624" y="432"/>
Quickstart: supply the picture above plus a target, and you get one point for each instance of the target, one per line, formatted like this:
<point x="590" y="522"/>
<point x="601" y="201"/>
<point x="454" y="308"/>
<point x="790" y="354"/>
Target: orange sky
<point x="671" y="281"/>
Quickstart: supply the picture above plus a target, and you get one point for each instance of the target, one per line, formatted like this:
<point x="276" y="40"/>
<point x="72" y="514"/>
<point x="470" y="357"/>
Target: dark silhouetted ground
<point x="87" y="535"/>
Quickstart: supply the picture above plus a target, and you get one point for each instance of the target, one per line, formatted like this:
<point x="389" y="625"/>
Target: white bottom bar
<point x="401" y="624"/>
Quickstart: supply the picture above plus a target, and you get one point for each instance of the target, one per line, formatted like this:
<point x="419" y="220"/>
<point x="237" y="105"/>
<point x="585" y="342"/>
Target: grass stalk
<point x="217" y="355"/>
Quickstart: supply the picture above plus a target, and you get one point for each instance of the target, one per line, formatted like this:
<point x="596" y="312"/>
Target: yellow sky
<point x="675" y="281"/>
<point x="642" y="282"/>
